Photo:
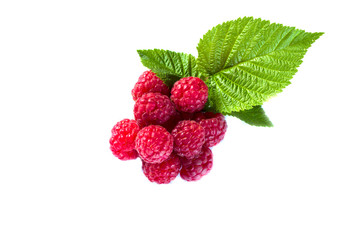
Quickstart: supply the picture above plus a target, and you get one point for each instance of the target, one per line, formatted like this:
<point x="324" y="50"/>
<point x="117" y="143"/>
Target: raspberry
<point x="154" y="144"/>
<point x="149" y="82"/>
<point x="125" y="155"/>
<point x="189" y="137"/>
<point x="194" y="169"/>
<point x="163" y="172"/>
<point x="123" y="138"/>
<point x="215" y="127"/>
<point x="189" y="94"/>
<point x="153" y="109"/>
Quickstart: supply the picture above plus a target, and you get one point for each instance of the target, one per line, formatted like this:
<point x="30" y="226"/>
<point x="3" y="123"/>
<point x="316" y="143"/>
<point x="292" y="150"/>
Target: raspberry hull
<point x="154" y="144"/>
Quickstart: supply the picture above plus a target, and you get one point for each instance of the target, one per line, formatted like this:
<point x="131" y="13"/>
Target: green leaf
<point x="255" y="117"/>
<point x="169" y="66"/>
<point x="247" y="61"/>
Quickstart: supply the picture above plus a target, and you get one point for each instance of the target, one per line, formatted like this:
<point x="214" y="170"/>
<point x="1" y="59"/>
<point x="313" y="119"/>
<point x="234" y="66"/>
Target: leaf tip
<point x="317" y="35"/>
<point x="140" y="52"/>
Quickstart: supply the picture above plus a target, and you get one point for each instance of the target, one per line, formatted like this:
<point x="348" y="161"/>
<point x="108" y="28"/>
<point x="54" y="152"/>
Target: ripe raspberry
<point x="153" y="109"/>
<point x="215" y="127"/>
<point x="125" y="155"/>
<point x="194" y="169"/>
<point x="189" y="94"/>
<point x="123" y="138"/>
<point x="154" y="144"/>
<point x="149" y="82"/>
<point x="163" y="172"/>
<point x="189" y="137"/>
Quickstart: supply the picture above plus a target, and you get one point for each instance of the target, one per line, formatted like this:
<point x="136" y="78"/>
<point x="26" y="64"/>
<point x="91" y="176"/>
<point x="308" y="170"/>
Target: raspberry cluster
<point x="171" y="134"/>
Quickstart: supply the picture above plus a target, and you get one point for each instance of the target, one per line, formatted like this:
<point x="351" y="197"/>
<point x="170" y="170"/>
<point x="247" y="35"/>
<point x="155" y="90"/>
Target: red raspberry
<point x="189" y="94"/>
<point x="154" y="144"/>
<point x="123" y="137"/>
<point x="194" y="169"/>
<point x="125" y="155"/>
<point x="215" y="127"/>
<point x="153" y="109"/>
<point x="163" y="172"/>
<point x="189" y="137"/>
<point x="149" y="82"/>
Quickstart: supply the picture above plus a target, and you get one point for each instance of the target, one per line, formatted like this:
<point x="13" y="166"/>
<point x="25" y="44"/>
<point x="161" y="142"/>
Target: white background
<point x="66" y="71"/>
